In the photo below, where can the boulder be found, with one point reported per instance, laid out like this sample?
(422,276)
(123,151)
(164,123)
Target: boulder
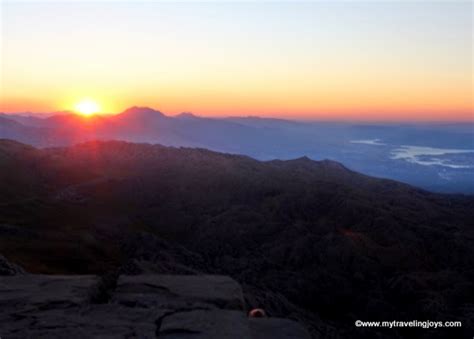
(213,290)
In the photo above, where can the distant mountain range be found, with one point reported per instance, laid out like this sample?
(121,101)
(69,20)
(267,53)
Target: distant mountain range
(309,240)
(444,159)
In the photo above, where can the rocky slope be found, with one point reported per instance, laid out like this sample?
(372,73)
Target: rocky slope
(308,240)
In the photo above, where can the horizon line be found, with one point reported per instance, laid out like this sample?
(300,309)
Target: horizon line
(43,115)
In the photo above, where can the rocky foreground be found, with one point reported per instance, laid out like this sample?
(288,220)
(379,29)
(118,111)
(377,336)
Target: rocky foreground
(139,306)
(308,240)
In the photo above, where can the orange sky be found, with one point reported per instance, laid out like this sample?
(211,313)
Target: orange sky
(319,60)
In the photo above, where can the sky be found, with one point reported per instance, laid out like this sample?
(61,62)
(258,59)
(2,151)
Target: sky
(375,60)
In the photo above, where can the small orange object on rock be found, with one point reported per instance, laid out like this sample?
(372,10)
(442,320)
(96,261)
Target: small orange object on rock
(257,313)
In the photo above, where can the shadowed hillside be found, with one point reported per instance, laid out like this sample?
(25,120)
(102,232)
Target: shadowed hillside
(437,157)
(309,240)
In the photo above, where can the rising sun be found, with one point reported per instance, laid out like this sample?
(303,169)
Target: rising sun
(87,107)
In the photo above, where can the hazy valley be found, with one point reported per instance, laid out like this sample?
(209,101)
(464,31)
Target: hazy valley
(437,157)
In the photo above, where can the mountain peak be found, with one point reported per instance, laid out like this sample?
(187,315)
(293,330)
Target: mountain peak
(141,111)
(186,115)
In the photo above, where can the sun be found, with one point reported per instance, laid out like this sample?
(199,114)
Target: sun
(87,107)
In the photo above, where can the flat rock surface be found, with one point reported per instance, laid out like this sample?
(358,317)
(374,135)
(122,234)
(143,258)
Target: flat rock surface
(200,324)
(219,291)
(45,290)
(264,328)
(96,321)
(143,306)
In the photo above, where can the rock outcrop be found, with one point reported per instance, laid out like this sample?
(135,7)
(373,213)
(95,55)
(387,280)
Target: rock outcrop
(8,268)
(139,306)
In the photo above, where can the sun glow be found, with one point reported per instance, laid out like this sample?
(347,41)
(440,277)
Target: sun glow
(87,107)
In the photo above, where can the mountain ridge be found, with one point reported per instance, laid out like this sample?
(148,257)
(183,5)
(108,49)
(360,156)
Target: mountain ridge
(302,236)
(266,139)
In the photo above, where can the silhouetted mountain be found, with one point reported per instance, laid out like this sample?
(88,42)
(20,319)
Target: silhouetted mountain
(11,129)
(309,240)
(374,149)
(38,120)
(186,115)
(139,115)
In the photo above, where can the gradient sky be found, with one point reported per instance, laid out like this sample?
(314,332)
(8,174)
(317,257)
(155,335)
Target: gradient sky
(381,60)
